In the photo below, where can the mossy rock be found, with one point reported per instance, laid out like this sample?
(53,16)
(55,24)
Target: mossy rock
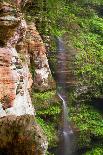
(21,135)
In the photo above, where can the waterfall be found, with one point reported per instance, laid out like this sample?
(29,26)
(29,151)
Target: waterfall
(66,133)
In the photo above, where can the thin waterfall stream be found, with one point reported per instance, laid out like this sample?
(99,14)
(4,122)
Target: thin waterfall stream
(66,132)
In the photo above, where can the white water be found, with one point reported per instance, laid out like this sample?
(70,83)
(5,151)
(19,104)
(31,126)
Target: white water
(66,132)
(66,127)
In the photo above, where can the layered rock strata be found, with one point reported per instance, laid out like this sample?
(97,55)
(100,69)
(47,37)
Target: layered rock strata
(19,132)
(42,78)
(15,78)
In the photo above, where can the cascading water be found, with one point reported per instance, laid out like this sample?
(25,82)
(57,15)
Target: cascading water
(66,133)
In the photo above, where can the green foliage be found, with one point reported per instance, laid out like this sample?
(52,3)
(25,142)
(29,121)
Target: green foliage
(44,96)
(49,131)
(43,99)
(89,60)
(52,110)
(89,65)
(96,25)
(95,151)
(88,42)
(78,21)
(87,2)
(88,119)
(89,122)
(47,114)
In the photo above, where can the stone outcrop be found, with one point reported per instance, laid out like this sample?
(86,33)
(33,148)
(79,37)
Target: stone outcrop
(9,20)
(42,78)
(21,136)
(14,73)
(19,132)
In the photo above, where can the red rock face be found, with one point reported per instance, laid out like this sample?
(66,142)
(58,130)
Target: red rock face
(18,131)
(15,81)
(42,79)
(7,79)
(9,21)
(14,74)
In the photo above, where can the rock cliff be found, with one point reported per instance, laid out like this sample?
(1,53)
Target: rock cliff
(42,79)
(21,48)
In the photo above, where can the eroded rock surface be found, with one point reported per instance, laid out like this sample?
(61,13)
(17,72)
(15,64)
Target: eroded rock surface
(42,79)
(19,132)
(15,76)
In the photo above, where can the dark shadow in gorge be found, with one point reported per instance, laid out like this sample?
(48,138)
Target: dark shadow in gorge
(98,103)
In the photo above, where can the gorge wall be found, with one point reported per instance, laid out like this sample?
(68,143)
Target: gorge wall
(21,48)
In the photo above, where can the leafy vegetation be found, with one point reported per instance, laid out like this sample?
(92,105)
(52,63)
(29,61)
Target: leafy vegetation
(80,23)
(49,130)
(89,121)
(48,109)
(89,60)
(96,151)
